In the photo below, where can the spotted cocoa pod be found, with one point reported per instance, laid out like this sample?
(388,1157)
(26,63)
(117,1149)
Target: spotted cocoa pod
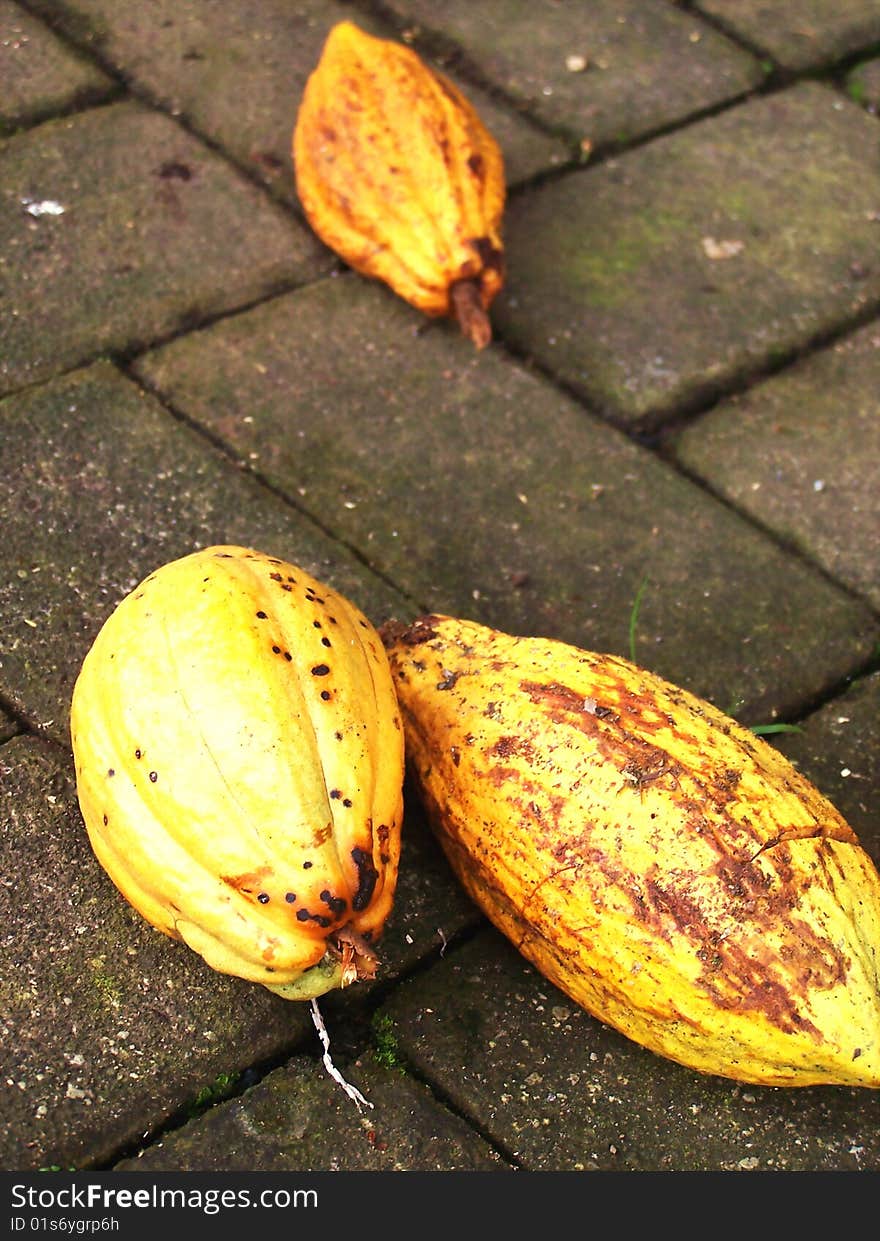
(239,765)
(661,864)
(397,174)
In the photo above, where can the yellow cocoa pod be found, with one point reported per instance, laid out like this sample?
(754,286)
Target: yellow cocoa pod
(662,865)
(239,765)
(398,175)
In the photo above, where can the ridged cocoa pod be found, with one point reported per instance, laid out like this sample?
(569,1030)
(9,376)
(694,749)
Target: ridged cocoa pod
(239,765)
(398,175)
(661,864)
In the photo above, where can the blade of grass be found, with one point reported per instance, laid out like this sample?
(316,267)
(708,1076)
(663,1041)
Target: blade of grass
(634,618)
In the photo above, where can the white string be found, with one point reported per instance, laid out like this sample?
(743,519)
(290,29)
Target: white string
(351,1091)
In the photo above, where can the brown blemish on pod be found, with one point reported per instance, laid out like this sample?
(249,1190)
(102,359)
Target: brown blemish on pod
(249,881)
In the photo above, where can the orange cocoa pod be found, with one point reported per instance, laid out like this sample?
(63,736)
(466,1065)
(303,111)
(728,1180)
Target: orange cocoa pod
(398,175)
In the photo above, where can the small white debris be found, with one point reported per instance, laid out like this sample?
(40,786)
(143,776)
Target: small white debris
(46,206)
(351,1091)
(715,249)
(819,484)
(576,63)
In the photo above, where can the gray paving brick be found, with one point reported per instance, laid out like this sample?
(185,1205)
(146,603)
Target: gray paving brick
(193,57)
(646,65)
(647,300)
(483,491)
(800,35)
(98,487)
(40,74)
(298,1119)
(558,1091)
(8,726)
(799,453)
(863,85)
(116,228)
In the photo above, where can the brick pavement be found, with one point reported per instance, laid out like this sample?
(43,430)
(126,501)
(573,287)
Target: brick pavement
(682,393)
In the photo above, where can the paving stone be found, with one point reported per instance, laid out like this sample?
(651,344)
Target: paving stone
(117,227)
(838,748)
(799,453)
(802,35)
(649,301)
(236,73)
(555,1090)
(645,66)
(99,486)
(8,726)
(483,491)
(863,85)
(298,1119)
(40,74)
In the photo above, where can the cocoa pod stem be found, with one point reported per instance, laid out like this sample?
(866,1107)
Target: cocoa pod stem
(467,307)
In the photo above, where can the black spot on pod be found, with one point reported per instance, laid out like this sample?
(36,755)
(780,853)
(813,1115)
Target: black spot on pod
(320,670)
(263,898)
(154,776)
(336,903)
(367,876)
(303,915)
